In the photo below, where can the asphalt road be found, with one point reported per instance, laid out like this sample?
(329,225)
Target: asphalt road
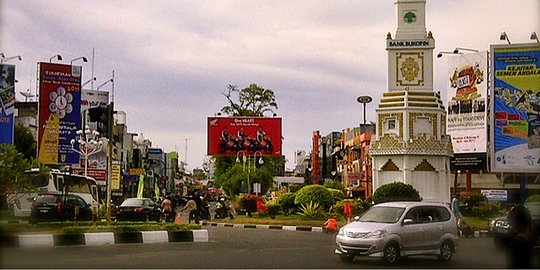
(238,248)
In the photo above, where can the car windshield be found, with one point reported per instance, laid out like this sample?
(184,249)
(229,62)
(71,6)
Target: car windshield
(382,214)
(133,202)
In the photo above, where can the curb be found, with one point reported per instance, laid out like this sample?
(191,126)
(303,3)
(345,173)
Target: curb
(260,226)
(102,238)
(476,234)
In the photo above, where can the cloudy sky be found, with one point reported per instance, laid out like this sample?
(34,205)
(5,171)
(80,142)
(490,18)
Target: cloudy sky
(173,59)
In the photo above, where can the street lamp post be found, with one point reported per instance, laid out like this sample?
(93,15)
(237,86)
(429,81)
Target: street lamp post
(3,58)
(246,157)
(89,144)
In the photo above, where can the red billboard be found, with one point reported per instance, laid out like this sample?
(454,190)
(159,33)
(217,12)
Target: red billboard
(230,135)
(59,112)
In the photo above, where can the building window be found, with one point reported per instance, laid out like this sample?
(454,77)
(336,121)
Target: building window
(390,126)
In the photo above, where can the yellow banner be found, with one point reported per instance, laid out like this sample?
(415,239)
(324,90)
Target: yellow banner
(115,177)
(136,171)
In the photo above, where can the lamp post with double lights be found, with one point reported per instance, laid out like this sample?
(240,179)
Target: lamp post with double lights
(3,58)
(247,158)
(89,142)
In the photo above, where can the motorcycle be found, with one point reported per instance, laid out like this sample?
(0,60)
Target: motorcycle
(223,209)
(203,208)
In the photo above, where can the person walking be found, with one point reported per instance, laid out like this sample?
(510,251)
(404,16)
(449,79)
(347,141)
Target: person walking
(347,211)
(455,207)
(166,208)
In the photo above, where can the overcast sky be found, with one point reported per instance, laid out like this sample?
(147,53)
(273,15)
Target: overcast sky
(173,59)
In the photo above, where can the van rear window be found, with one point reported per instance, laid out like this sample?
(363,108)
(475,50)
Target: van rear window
(46,199)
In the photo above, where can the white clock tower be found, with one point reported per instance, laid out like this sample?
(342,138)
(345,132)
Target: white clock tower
(411,144)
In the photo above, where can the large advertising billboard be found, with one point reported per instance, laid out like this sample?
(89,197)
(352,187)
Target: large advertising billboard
(7,103)
(515,132)
(97,163)
(230,135)
(467,110)
(59,112)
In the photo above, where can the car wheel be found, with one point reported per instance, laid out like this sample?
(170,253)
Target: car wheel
(391,253)
(346,257)
(447,251)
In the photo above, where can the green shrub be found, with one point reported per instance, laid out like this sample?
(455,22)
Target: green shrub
(533,198)
(486,209)
(334,184)
(273,208)
(311,211)
(295,187)
(337,194)
(396,191)
(286,201)
(314,193)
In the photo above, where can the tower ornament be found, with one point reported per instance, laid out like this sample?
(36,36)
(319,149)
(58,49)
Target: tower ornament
(409,69)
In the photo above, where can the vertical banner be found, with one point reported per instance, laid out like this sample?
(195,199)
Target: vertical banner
(115,177)
(7,103)
(516,108)
(59,112)
(140,189)
(467,110)
(97,163)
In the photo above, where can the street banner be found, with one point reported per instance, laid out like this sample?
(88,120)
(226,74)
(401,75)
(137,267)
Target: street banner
(250,135)
(467,101)
(515,132)
(7,103)
(59,112)
(156,190)
(140,190)
(115,177)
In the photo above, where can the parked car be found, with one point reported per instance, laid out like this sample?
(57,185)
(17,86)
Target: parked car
(398,229)
(502,231)
(59,207)
(138,209)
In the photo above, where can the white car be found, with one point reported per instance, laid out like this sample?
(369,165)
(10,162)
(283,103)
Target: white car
(397,229)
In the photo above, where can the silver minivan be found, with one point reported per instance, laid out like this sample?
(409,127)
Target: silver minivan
(397,229)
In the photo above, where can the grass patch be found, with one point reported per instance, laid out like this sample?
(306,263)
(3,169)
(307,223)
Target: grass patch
(477,223)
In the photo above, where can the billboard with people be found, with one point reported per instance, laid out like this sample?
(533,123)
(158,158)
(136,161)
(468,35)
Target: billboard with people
(230,135)
(515,126)
(467,110)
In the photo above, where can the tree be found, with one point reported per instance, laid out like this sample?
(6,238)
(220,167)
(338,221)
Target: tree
(12,177)
(24,142)
(252,101)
